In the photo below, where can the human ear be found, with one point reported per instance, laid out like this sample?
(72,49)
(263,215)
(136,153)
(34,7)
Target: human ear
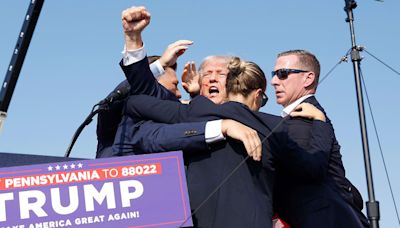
(309,79)
(258,98)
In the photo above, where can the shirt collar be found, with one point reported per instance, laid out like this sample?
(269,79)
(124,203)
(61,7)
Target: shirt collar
(286,111)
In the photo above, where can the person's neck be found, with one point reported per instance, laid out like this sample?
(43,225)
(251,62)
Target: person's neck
(239,98)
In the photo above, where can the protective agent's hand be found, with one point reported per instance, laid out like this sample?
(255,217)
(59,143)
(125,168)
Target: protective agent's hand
(190,79)
(173,51)
(309,111)
(134,20)
(248,136)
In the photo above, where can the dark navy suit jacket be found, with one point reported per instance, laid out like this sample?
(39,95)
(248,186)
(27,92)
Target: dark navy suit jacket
(331,202)
(245,200)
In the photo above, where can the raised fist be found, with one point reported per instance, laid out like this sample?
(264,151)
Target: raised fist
(135,19)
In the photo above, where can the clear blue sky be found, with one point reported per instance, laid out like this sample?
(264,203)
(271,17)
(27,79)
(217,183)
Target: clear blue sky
(72,63)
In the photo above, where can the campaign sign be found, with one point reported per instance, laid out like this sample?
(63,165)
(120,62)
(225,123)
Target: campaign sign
(132,191)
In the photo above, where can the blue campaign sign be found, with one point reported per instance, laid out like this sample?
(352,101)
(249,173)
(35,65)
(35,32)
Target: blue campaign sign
(131,191)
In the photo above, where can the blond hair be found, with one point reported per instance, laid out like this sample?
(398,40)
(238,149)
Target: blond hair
(244,77)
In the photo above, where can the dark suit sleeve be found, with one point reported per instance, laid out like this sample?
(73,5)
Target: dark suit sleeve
(151,108)
(308,161)
(151,137)
(142,81)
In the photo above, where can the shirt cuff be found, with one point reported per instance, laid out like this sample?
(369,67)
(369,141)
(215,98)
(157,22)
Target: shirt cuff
(157,69)
(133,56)
(213,132)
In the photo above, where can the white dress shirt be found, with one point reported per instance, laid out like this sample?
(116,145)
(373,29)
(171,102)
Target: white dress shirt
(286,111)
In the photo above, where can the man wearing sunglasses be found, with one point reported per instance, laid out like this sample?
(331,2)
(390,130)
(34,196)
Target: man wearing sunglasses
(332,201)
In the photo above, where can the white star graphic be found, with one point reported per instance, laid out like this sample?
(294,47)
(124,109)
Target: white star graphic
(80,165)
(50,168)
(65,166)
(72,166)
(58,167)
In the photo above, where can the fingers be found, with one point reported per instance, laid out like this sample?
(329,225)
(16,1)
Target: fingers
(258,150)
(180,52)
(193,68)
(135,19)
(301,107)
(252,143)
(299,110)
(190,79)
(179,47)
(125,25)
(298,107)
(256,146)
(135,14)
(189,71)
(185,86)
(305,106)
(185,73)
(296,113)
(173,51)
(301,113)
(181,43)
(246,135)
(307,110)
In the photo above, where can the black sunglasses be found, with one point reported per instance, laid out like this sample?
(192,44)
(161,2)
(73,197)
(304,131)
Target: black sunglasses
(284,73)
(264,100)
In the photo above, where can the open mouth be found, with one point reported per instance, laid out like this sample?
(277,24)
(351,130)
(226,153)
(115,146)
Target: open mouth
(213,90)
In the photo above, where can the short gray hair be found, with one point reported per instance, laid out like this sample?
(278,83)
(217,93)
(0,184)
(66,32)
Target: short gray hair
(225,58)
(306,59)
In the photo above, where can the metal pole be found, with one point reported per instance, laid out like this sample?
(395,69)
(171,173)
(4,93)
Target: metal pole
(17,60)
(372,205)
